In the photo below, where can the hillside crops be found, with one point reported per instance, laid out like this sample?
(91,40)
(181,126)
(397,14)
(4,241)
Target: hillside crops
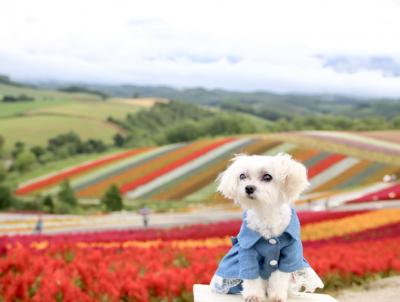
(188,170)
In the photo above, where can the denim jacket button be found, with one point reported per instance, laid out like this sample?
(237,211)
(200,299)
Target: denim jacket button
(272,241)
(273,262)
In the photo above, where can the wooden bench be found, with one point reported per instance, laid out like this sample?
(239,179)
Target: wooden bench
(203,293)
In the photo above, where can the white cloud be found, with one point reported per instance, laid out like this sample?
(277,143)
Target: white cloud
(244,45)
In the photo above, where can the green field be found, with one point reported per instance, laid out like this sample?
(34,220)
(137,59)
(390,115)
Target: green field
(43,98)
(17,109)
(44,94)
(99,110)
(54,113)
(35,130)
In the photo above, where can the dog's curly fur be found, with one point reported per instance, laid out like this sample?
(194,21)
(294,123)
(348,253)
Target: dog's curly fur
(268,207)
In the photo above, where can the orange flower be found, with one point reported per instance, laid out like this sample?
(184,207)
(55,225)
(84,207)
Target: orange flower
(351,224)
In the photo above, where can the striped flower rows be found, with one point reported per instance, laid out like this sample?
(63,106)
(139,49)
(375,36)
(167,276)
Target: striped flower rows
(389,193)
(55,178)
(202,171)
(188,171)
(356,140)
(326,172)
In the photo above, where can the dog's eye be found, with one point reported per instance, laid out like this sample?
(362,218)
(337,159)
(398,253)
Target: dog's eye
(267,177)
(242,176)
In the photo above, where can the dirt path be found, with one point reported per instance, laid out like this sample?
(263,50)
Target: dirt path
(385,290)
(11,224)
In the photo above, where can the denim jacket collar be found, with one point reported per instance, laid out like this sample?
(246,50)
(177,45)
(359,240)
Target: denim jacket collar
(248,237)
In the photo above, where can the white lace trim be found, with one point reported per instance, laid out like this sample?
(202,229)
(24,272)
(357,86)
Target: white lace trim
(221,285)
(305,280)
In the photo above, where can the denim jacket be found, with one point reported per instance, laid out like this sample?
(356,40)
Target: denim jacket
(253,256)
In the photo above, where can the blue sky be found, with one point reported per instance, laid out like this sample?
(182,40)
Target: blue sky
(310,46)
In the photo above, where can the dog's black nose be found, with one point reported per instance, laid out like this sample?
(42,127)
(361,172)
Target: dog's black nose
(250,189)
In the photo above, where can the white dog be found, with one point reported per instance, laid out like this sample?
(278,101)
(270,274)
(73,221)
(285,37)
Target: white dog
(266,256)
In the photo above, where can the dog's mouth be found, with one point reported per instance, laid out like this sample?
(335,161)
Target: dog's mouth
(252,197)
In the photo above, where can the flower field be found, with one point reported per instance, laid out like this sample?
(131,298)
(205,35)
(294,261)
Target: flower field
(383,143)
(187,171)
(75,171)
(163,264)
(388,193)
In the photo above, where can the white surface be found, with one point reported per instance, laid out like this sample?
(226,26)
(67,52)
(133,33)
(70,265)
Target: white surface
(203,293)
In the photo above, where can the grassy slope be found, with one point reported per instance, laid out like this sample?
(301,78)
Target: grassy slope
(38,129)
(261,124)
(43,94)
(55,112)
(98,111)
(18,109)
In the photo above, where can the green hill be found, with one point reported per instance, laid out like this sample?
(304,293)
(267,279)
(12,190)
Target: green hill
(261,103)
(33,114)
(54,112)
(86,112)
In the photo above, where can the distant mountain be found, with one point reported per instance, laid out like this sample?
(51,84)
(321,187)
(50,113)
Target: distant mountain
(260,103)
(6,80)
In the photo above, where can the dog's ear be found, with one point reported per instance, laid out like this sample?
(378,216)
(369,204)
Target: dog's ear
(228,180)
(292,175)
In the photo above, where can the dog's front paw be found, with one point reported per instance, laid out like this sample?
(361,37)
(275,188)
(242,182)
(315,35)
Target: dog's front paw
(253,299)
(276,298)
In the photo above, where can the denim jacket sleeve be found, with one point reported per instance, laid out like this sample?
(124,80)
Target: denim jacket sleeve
(249,267)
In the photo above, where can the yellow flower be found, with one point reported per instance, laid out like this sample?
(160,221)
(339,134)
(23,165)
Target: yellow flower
(348,225)
(40,245)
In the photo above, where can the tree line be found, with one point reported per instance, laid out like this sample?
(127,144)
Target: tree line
(16,99)
(64,202)
(57,148)
(356,116)
(174,122)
